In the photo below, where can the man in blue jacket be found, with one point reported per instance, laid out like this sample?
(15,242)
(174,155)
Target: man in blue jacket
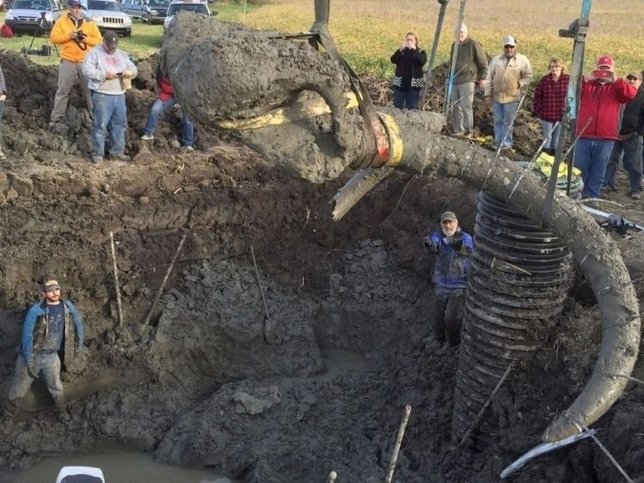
(50,327)
(453,248)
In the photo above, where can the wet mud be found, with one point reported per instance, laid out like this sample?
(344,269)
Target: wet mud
(314,380)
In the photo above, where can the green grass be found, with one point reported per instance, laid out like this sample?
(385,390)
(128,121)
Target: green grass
(368,31)
(145,39)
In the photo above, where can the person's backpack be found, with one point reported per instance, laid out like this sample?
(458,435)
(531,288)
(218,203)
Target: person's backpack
(6,32)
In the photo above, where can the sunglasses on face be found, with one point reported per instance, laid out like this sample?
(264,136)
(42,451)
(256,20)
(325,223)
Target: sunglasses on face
(508,46)
(631,78)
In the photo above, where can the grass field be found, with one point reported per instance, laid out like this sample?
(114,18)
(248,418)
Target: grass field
(145,39)
(368,31)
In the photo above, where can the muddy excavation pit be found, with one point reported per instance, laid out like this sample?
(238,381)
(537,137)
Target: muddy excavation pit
(313,380)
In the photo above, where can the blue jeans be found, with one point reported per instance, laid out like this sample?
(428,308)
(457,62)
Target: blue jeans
(109,117)
(549,134)
(591,156)
(407,99)
(46,364)
(158,108)
(632,150)
(503,117)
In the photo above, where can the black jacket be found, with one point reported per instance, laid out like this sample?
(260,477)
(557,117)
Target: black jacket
(409,68)
(633,115)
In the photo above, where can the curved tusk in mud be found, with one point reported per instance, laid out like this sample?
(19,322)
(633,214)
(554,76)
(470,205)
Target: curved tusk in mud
(230,74)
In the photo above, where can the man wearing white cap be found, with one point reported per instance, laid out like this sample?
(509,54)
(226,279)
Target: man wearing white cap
(509,75)
(453,248)
(49,328)
(600,104)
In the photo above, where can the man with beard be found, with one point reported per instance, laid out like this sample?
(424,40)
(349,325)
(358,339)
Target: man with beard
(453,248)
(600,105)
(48,328)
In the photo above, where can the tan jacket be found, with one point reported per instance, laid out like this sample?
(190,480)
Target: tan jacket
(506,78)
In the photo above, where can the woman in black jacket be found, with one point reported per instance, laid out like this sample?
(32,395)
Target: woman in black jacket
(408,80)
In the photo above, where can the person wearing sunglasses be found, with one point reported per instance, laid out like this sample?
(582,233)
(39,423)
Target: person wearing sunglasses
(629,143)
(508,77)
(453,249)
(601,98)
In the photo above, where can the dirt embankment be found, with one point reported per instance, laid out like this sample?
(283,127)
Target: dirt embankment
(313,382)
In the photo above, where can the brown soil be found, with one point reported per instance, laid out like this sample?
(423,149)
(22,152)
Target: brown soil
(314,382)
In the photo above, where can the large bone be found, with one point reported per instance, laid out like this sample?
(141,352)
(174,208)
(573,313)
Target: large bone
(229,76)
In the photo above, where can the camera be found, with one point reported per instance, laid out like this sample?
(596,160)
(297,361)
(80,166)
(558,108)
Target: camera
(81,36)
(42,21)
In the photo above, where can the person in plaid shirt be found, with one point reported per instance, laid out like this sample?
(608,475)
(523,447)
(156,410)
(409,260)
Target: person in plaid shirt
(549,102)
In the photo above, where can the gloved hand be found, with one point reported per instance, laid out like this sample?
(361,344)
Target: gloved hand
(429,245)
(31,369)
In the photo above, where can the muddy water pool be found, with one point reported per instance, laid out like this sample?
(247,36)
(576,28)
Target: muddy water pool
(117,467)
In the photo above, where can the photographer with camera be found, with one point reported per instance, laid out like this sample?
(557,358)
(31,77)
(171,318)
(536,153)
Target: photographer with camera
(76,35)
(453,249)
(109,71)
(409,77)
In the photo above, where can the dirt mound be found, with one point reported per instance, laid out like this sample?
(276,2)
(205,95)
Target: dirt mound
(312,381)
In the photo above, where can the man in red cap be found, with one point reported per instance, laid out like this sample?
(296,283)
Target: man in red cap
(602,95)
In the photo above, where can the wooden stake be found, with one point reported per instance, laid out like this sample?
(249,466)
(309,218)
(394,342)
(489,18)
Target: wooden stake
(487,403)
(116,281)
(401,433)
(261,292)
(165,279)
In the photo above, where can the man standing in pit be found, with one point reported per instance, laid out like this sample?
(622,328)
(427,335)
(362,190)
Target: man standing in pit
(470,72)
(453,248)
(77,36)
(49,328)
(508,77)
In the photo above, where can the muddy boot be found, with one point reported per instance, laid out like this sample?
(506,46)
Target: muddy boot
(61,411)
(8,412)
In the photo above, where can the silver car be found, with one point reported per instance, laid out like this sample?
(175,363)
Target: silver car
(33,16)
(108,15)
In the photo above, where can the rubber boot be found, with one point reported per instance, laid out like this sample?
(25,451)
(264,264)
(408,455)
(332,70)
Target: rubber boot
(8,414)
(61,411)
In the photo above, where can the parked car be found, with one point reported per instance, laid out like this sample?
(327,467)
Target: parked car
(134,8)
(150,11)
(32,16)
(195,6)
(109,15)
